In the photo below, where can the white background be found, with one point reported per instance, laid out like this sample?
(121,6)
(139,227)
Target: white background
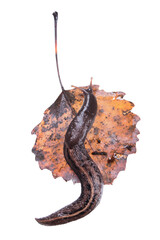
(118,44)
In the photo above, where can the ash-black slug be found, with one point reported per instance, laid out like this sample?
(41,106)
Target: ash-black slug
(82,164)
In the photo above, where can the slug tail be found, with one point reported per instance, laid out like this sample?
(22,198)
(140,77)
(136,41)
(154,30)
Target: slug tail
(91,190)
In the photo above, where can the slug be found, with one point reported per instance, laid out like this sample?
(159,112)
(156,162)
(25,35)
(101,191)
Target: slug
(79,160)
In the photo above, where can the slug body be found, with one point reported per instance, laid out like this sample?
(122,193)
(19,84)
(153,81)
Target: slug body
(81,163)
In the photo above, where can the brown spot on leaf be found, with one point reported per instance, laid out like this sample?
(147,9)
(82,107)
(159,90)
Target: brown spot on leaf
(96,131)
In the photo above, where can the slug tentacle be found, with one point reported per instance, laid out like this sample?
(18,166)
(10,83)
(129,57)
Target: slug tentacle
(85,168)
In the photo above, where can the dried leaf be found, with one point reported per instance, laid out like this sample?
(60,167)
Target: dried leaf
(111,139)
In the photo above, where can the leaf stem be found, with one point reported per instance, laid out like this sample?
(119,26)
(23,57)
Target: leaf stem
(55,15)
